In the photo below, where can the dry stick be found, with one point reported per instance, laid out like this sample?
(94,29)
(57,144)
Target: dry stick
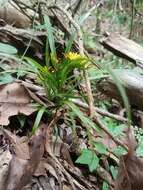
(21,9)
(100,111)
(81,49)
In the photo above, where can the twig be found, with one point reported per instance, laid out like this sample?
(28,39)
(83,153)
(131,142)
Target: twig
(48,149)
(76,7)
(132,18)
(100,111)
(81,50)
(20,8)
(30,41)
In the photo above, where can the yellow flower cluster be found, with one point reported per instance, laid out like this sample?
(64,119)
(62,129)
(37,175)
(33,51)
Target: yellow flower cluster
(72,56)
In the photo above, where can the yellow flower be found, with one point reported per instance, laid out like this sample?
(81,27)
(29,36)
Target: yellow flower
(72,55)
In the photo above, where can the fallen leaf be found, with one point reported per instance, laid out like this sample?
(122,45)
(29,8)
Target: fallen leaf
(17,146)
(130,176)
(43,168)
(21,170)
(14,99)
(5,158)
(65,187)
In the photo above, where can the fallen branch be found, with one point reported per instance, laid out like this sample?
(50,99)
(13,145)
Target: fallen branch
(100,111)
(124,48)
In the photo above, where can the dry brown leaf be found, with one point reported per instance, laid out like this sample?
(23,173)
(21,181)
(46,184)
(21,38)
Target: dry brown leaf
(43,168)
(18,147)
(5,158)
(13,16)
(130,175)
(65,187)
(14,99)
(21,170)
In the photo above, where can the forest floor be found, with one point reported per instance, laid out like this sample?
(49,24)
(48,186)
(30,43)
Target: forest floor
(71,90)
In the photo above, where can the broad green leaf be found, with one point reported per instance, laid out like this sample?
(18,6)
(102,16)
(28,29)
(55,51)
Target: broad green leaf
(85,157)
(119,151)
(115,129)
(99,147)
(114,171)
(89,158)
(105,186)
(94,163)
(8,49)
(139,150)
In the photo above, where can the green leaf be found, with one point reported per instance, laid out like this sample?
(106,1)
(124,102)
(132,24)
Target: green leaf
(114,171)
(89,158)
(139,150)
(119,151)
(85,120)
(8,49)
(38,119)
(115,129)
(70,42)
(22,120)
(50,35)
(99,147)
(5,78)
(105,186)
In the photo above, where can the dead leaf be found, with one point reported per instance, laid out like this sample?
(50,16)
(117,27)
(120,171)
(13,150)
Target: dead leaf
(130,176)
(5,158)
(43,168)
(65,187)
(17,146)
(21,170)
(13,16)
(14,99)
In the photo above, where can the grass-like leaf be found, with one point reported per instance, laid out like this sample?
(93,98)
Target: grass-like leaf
(38,119)
(50,35)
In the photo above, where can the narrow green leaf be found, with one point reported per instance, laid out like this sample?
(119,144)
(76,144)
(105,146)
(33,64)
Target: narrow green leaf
(8,49)
(50,35)
(38,119)
(70,42)
(47,53)
(86,121)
